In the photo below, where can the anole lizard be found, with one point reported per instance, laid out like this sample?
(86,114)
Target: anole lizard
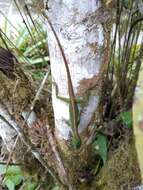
(76,138)
(73,107)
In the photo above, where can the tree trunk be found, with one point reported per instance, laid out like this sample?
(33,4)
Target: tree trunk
(82,30)
(81,27)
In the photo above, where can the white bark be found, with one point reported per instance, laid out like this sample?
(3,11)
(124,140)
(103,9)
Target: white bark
(7,133)
(80,32)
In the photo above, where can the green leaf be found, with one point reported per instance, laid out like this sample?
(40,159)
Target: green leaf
(33,47)
(126,117)
(13,176)
(9,184)
(16,179)
(2,169)
(100,146)
(38,75)
(56,188)
(29,185)
(13,170)
(38,60)
(22,38)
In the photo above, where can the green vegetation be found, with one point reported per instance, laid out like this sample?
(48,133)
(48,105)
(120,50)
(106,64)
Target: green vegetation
(13,177)
(28,43)
(113,160)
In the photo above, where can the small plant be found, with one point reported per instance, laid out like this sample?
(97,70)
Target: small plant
(126,118)
(100,147)
(29,44)
(13,177)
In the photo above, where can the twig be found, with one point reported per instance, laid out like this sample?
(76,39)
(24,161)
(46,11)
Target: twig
(34,151)
(11,164)
(11,43)
(9,158)
(27,27)
(31,109)
(36,97)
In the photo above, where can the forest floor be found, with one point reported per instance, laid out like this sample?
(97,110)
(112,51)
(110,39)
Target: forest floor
(120,172)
